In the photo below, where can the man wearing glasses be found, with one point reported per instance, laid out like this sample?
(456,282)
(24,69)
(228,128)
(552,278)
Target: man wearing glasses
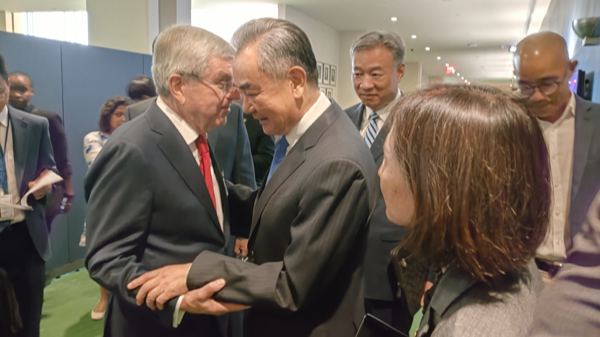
(156,194)
(571,128)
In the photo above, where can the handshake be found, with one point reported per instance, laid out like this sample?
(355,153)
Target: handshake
(158,286)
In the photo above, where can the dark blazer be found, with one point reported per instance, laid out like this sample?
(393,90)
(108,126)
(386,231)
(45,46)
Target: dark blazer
(33,154)
(236,165)
(379,282)
(262,147)
(307,236)
(148,207)
(570,306)
(586,161)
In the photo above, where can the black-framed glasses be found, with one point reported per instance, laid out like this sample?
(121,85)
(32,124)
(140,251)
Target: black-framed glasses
(547,88)
(226,87)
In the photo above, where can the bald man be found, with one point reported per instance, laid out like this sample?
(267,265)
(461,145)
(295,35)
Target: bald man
(571,127)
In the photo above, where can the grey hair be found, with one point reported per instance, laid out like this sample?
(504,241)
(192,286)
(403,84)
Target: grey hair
(187,51)
(280,46)
(392,41)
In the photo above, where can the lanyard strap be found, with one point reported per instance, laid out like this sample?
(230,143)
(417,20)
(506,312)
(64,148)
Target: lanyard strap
(4,174)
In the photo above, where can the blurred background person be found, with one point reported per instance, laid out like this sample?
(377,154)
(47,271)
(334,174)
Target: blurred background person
(570,124)
(466,168)
(141,88)
(112,115)
(21,92)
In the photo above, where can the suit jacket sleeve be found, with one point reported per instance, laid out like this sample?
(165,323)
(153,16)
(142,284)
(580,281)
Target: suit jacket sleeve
(331,216)
(46,155)
(243,167)
(59,144)
(118,221)
(570,307)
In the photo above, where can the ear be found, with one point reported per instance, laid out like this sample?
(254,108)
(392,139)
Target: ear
(176,83)
(573,65)
(400,71)
(297,77)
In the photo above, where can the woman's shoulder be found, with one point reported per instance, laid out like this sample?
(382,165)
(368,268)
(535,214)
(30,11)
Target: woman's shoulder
(95,136)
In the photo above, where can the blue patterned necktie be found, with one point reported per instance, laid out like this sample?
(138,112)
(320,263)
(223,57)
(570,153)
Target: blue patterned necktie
(280,150)
(372,130)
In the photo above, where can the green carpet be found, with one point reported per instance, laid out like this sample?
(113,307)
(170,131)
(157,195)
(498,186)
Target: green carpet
(69,300)
(68,303)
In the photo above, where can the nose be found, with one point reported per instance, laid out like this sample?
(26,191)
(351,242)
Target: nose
(538,96)
(247,107)
(233,94)
(366,83)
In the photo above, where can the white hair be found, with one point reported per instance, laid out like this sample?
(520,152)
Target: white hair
(187,51)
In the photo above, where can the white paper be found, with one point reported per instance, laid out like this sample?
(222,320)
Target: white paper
(48,178)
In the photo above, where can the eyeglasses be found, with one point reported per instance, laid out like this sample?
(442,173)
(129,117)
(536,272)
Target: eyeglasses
(547,88)
(226,87)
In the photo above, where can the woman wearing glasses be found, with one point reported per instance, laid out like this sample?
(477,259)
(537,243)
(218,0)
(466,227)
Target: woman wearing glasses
(466,168)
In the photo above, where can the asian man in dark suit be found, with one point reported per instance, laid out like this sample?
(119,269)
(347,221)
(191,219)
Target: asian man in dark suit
(309,220)
(174,204)
(378,68)
(24,239)
(571,128)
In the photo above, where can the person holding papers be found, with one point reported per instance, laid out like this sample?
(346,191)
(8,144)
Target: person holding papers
(24,242)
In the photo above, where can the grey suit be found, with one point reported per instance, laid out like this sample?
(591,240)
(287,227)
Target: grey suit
(229,142)
(25,246)
(148,208)
(463,307)
(308,237)
(571,307)
(380,284)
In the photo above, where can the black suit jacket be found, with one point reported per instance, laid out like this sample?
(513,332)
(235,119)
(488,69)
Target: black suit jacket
(148,207)
(379,279)
(586,161)
(262,147)
(229,142)
(307,236)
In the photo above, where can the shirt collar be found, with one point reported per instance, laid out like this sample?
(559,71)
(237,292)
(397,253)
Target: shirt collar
(4,116)
(307,120)
(385,112)
(185,129)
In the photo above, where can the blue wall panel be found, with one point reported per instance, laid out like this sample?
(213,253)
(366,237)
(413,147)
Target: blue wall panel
(148,65)
(91,75)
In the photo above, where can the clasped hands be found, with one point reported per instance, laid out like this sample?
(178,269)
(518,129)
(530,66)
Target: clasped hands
(160,285)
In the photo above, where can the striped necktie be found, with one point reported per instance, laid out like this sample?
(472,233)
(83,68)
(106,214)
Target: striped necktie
(372,130)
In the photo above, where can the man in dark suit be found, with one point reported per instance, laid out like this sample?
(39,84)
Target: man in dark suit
(174,203)
(571,128)
(21,92)
(309,220)
(24,241)
(262,147)
(378,66)
(141,88)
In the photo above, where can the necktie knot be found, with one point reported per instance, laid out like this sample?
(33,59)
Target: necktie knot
(374,116)
(202,145)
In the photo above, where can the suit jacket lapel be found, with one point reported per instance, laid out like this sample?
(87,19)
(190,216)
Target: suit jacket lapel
(179,155)
(20,139)
(223,191)
(583,139)
(357,115)
(293,160)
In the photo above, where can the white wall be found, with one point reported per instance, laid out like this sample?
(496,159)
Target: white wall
(346,94)
(412,77)
(325,40)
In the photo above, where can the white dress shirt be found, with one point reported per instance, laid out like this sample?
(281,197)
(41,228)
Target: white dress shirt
(9,162)
(307,120)
(560,137)
(383,116)
(189,136)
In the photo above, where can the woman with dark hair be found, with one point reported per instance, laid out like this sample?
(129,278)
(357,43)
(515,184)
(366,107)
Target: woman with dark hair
(466,168)
(112,115)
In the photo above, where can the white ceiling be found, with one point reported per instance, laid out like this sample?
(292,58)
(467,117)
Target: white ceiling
(446,26)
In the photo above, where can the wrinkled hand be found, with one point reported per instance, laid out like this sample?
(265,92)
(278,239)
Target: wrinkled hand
(199,301)
(42,191)
(160,285)
(241,247)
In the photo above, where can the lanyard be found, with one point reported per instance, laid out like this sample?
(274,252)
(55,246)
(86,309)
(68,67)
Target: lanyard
(4,175)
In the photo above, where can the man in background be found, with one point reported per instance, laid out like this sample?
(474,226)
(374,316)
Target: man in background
(21,92)
(378,68)
(571,128)
(141,88)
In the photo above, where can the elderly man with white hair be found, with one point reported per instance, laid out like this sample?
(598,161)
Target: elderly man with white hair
(156,197)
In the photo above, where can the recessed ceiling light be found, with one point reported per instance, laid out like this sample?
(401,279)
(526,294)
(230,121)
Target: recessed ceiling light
(427,48)
(466,81)
(512,49)
(413,37)
(439,57)
(394,19)
(447,64)
(457,74)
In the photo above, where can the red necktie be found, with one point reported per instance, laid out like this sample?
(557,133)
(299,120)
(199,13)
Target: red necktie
(204,153)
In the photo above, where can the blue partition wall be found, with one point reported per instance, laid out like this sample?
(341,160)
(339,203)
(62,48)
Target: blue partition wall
(73,81)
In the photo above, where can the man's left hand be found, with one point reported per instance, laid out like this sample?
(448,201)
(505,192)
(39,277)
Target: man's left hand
(160,285)
(42,191)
